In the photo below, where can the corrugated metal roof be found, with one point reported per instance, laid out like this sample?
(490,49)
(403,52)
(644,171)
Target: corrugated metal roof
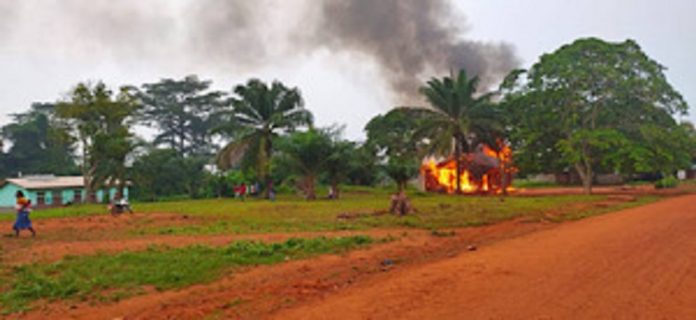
(48,182)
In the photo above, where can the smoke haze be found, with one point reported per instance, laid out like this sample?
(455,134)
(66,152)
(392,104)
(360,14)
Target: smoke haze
(409,40)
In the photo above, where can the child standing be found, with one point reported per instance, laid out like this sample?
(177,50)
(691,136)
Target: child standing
(23,208)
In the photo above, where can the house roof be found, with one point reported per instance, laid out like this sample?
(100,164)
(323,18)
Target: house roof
(48,182)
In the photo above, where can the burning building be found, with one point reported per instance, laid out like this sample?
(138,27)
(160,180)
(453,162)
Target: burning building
(484,171)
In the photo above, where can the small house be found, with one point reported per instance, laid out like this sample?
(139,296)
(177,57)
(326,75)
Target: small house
(51,191)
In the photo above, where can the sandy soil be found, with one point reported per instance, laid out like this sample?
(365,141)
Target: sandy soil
(257,292)
(636,264)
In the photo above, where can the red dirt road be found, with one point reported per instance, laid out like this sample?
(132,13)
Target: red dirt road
(636,264)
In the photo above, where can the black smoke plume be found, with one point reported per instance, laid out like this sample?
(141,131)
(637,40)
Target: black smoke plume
(410,40)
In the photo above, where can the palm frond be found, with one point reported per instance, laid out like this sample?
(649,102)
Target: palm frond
(233,153)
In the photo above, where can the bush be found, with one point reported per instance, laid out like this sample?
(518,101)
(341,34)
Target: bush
(667,183)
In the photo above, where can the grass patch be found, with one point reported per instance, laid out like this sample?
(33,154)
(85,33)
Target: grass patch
(62,212)
(586,213)
(113,277)
(292,214)
(532,184)
(434,212)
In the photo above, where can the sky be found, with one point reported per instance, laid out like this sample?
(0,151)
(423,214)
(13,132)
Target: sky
(48,46)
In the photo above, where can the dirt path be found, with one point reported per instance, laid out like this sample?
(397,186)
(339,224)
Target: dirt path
(256,292)
(636,264)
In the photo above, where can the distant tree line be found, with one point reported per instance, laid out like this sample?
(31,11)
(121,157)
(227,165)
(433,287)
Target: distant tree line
(205,141)
(590,107)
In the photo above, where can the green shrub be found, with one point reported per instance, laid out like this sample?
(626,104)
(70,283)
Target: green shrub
(667,183)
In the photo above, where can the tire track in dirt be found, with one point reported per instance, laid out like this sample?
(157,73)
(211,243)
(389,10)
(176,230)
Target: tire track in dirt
(639,263)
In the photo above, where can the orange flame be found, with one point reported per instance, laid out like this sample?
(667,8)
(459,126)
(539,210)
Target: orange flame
(442,176)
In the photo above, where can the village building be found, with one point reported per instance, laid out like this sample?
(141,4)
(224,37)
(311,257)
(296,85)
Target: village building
(52,191)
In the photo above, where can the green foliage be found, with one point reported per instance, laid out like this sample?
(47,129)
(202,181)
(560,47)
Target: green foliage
(401,170)
(596,104)
(459,115)
(528,184)
(667,183)
(393,137)
(457,122)
(258,115)
(290,213)
(185,112)
(222,184)
(40,144)
(582,145)
(101,122)
(107,276)
(393,134)
(662,149)
(163,173)
(339,161)
(307,155)
(363,166)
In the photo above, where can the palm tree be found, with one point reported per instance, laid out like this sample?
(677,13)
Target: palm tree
(307,155)
(259,114)
(455,117)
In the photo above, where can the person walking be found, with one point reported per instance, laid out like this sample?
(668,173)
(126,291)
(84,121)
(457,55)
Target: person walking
(23,209)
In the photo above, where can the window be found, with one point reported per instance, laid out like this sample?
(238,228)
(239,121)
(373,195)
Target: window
(78,196)
(57,198)
(40,198)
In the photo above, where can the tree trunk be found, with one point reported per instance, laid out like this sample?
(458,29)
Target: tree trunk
(334,186)
(400,205)
(585,173)
(90,187)
(87,187)
(310,193)
(265,171)
(401,186)
(458,162)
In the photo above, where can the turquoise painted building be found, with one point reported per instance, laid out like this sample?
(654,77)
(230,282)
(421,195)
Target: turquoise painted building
(51,191)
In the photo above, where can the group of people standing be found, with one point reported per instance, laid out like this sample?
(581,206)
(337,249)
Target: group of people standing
(243,190)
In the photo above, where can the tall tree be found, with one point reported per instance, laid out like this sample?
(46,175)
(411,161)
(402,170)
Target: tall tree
(393,138)
(185,112)
(101,122)
(259,114)
(588,102)
(39,143)
(457,113)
